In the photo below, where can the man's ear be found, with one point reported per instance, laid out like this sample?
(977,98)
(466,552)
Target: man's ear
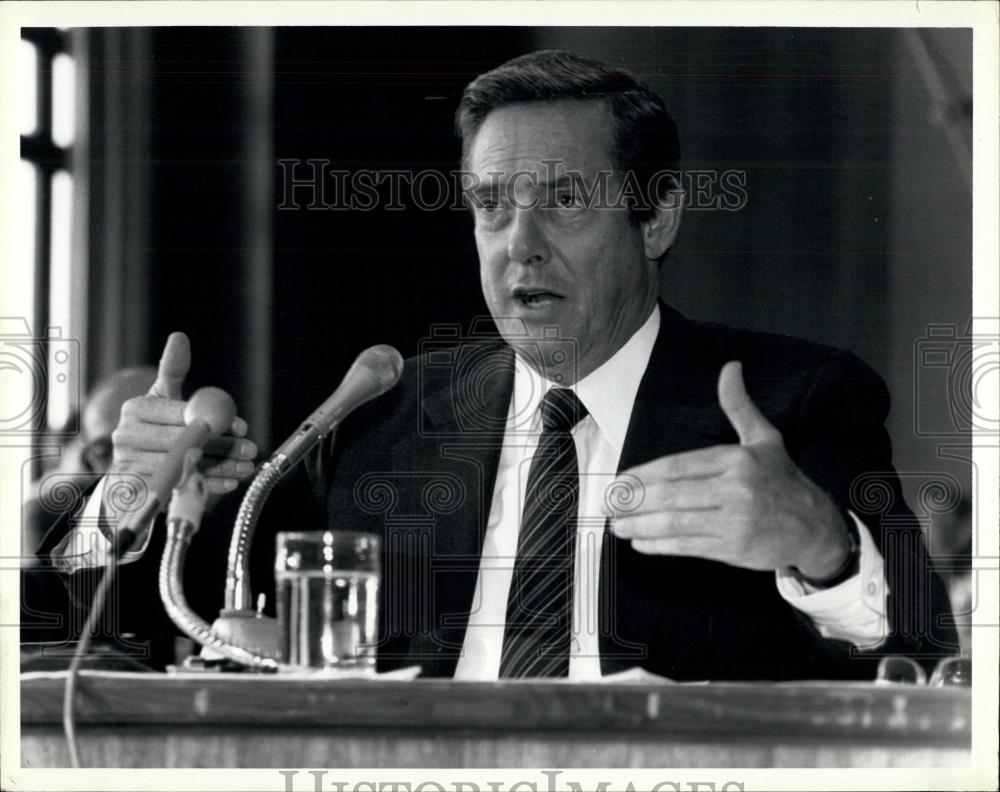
(660,230)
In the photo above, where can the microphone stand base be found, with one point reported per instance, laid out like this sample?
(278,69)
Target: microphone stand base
(248,629)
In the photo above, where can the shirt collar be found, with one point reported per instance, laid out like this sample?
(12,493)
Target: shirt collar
(608,392)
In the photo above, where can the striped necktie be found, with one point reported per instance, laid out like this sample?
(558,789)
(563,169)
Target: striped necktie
(536,638)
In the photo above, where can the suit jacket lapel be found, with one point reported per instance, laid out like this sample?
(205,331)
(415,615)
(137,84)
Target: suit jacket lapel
(467,416)
(675,410)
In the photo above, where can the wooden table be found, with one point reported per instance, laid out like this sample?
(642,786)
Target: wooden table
(152,720)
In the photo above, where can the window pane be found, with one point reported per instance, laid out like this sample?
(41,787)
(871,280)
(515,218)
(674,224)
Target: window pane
(27,87)
(62,372)
(63,96)
(19,390)
(17,294)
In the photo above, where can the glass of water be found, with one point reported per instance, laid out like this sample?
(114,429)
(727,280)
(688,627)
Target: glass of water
(900,670)
(328,599)
(952,671)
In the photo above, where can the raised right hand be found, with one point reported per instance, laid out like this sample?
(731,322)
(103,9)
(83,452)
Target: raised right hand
(150,426)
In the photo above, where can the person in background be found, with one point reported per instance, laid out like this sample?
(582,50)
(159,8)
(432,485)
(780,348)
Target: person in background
(45,609)
(85,457)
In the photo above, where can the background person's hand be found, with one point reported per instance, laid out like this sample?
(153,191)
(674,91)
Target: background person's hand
(747,505)
(150,426)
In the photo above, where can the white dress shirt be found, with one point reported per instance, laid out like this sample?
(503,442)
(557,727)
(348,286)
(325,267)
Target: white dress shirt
(852,611)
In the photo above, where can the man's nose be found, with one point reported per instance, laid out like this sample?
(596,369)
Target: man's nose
(526,243)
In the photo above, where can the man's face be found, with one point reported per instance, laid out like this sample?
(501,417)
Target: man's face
(547,257)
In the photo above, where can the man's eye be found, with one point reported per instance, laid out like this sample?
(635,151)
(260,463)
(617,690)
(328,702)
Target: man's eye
(490,210)
(569,200)
(490,202)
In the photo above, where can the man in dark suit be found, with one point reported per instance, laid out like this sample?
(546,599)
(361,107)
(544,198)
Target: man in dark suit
(609,485)
(419,467)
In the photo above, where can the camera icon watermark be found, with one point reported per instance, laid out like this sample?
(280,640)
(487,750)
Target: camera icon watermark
(34,369)
(473,373)
(959,369)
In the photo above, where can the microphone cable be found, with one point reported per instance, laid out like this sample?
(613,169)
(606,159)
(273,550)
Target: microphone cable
(73,672)
(209,412)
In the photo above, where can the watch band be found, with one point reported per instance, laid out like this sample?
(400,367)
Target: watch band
(851,565)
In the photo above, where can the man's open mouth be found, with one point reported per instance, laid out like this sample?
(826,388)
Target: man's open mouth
(536,296)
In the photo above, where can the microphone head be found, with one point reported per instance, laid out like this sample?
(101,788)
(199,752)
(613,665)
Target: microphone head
(384,362)
(374,371)
(212,406)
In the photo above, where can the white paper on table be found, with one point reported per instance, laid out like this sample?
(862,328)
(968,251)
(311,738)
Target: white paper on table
(641,675)
(400,674)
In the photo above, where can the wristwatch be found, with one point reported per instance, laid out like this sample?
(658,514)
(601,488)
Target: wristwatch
(851,565)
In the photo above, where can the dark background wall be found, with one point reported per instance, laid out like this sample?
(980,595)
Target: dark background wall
(856,231)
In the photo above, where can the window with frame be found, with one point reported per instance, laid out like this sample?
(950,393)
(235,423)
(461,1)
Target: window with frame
(49,290)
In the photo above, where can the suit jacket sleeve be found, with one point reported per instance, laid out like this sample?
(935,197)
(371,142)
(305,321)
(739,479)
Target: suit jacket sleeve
(842,445)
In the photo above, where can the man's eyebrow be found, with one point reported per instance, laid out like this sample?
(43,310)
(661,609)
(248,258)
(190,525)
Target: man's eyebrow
(486,188)
(568,180)
(495,186)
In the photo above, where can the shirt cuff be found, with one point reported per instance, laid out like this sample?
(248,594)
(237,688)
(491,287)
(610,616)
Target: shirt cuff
(85,546)
(854,610)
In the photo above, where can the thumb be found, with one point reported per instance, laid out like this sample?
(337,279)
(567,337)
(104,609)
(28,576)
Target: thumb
(174,365)
(752,427)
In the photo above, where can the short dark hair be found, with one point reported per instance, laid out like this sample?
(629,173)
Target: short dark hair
(645,140)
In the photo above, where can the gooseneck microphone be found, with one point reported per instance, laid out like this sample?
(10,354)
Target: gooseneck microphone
(375,371)
(208,413)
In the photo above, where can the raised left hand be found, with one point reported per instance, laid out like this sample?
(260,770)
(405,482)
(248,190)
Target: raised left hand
(747,505)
